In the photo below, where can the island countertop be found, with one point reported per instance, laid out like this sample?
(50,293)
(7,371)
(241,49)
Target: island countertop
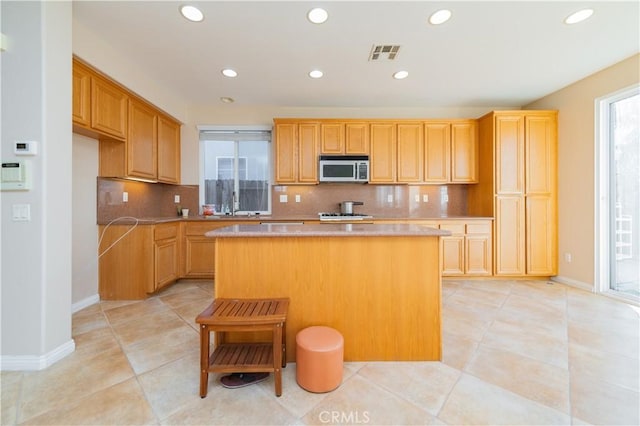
(326,230)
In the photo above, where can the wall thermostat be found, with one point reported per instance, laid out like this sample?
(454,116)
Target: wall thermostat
(16,176)
(25,147)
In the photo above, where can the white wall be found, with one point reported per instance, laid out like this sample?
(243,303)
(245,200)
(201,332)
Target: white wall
(576,164)
(85,237)
(36,255)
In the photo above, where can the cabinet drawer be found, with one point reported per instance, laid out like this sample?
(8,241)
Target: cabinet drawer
(455,228)
(479,228)
(162,232)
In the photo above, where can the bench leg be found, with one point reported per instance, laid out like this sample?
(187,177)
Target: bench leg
(277,358)
(204,360)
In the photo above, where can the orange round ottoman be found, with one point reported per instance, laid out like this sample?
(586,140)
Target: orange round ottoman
(319,356)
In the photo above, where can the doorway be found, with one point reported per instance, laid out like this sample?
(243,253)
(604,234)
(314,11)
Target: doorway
(619,198)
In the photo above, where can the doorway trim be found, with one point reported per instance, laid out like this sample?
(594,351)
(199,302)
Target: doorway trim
(602,256)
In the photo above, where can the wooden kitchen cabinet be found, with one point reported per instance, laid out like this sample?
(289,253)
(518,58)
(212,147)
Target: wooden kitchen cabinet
(524,191)
(437,141)
(332,138)
(199,251)
(136,139)
(410,157)
(453,249)
(168,150)
(464,152)
(296,152)
(348,138)
(383,159)
(109,105)
(166,255)
(468,250)
(81,111)
(142,141)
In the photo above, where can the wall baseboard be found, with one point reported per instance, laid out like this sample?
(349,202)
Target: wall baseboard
(91,300)
(35,363)
(573,283)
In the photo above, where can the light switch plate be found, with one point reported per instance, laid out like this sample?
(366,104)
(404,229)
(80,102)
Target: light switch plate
(21,212)
(283,198)
(176,199)
(390,198)
(297,198)
(425,198)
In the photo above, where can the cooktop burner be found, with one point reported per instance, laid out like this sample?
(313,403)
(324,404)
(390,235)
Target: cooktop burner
(343,216)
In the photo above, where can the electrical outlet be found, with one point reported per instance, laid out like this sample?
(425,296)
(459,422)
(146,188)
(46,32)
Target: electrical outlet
(417,198)
(567,257)
(125,197)
(390,198)
(283,198)
(445,198)
(176,199)
(297,198)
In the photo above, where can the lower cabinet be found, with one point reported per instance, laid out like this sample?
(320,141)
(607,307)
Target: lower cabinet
(166,255)
(467,251)
(137,260)
(199,251)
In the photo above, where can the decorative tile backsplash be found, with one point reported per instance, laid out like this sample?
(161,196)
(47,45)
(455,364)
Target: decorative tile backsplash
(146,200)
(402,201)
(152,200)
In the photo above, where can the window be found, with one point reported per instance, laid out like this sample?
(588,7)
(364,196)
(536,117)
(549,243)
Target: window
(235,170)
(619,194)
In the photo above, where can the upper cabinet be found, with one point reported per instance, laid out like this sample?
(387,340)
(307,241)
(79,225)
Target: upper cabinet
(344,138)
(450,151)
(137,140)
(400,151)
(296,152)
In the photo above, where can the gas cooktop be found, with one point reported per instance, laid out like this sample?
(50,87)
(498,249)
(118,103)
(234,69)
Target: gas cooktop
(342,217)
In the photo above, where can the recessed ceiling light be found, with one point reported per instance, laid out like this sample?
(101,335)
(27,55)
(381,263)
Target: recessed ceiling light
(317,15)
(440,17)
(316,74)
(228,72)
(192,13)
(399,75)
(578,16)
(227,100)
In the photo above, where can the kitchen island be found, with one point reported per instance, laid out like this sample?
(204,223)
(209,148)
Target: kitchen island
(379,285)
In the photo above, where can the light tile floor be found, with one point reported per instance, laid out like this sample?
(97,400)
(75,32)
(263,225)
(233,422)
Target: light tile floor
(514,352)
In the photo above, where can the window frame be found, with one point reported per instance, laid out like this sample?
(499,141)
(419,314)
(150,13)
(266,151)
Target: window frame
(201,168)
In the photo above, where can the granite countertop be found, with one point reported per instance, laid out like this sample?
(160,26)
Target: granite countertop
(128,220)
(325,230)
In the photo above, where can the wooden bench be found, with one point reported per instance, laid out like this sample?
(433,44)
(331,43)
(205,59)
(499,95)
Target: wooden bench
(243,315)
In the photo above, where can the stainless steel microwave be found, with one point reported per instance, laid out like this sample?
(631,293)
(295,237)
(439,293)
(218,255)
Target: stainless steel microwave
(344,168)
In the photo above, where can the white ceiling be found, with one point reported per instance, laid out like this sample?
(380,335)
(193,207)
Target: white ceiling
(489,53)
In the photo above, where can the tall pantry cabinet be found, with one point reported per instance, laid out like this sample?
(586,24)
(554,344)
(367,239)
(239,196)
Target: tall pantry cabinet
(522,148)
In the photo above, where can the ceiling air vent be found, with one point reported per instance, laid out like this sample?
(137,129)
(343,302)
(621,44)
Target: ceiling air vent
(384,51)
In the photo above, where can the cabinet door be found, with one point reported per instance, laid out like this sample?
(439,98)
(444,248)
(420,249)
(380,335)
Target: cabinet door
(108,108)
(541,235)
(168,150)
(166,262)
(464,152)
(509,154)
(382,160)
(332,138)
(509,235)
(142,143)
(286,152)
(453,255)
(410,145)
(478,254)
(540,154)
(356,138)
(81,95)
(437,141)
(199,257)
(308,153)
